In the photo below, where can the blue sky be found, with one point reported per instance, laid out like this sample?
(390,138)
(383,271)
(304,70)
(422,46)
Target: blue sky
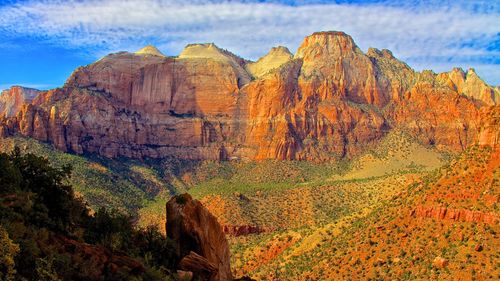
(42,42)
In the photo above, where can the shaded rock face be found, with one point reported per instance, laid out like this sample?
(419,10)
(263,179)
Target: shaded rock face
(12,100)
(200,240)
(100,260)
(329,100)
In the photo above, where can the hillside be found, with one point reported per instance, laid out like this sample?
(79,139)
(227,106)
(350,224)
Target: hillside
(409,236)
(439,224)
(122,185)
(320,211)
(47,233)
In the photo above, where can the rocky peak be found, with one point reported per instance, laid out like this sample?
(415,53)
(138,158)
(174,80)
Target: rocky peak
(150,50)
(335,58)
(276,57)
(282,50)
(213,52)
(11,100)
(384,53)
(329,43)
(459,71)
(207,51)
(469,84)
(471,71)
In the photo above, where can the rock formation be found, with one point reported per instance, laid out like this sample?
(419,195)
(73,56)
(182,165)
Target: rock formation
(469,84)
(200,240)
(490,127)
(443,213)
(12,100)
(329,100)
(99,259)
(274,59)
(150,50)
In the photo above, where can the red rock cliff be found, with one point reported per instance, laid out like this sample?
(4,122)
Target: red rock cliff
(329,100)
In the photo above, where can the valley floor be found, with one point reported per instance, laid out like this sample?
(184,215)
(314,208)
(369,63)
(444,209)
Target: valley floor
(399,211)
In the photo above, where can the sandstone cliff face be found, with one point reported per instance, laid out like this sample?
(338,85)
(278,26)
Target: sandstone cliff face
(328,100)
(200,240)
(11,100)
(470,85)
(490,127)
(437,116)
(443,213)
(274,59)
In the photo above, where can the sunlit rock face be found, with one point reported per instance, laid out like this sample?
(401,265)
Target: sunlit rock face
(328,100)
(469,84)
(11,100)
(490,127)
(276,57)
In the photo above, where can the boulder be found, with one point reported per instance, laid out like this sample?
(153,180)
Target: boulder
(200,241)
(440,262)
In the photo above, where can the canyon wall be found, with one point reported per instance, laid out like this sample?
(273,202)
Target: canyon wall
(328,100)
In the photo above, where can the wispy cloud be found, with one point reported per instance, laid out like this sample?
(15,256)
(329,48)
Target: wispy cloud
(430,35)
(27,85)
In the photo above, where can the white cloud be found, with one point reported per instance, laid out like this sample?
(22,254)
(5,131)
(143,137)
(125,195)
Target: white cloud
(428,35)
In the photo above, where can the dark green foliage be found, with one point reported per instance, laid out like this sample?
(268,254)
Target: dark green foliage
(37,191)
(113,230)
(39,211)
(159,252)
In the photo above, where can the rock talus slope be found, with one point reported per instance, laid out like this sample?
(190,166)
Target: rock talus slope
(328,100)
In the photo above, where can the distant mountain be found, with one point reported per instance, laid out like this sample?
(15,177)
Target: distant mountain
(12,100)
(329,100)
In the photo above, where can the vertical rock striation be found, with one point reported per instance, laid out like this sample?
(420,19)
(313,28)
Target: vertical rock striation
(328,100)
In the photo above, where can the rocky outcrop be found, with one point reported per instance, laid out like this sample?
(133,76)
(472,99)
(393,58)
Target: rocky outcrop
(329,100)
(242,230)
(200,240)
(150,51)
(490,127)
(210,52)
(274,59)
(334,59)
(99,261)
(469,84)
(13,99)
(437,116)
(443,213)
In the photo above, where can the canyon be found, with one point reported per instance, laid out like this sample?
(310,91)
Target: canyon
(324,164)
